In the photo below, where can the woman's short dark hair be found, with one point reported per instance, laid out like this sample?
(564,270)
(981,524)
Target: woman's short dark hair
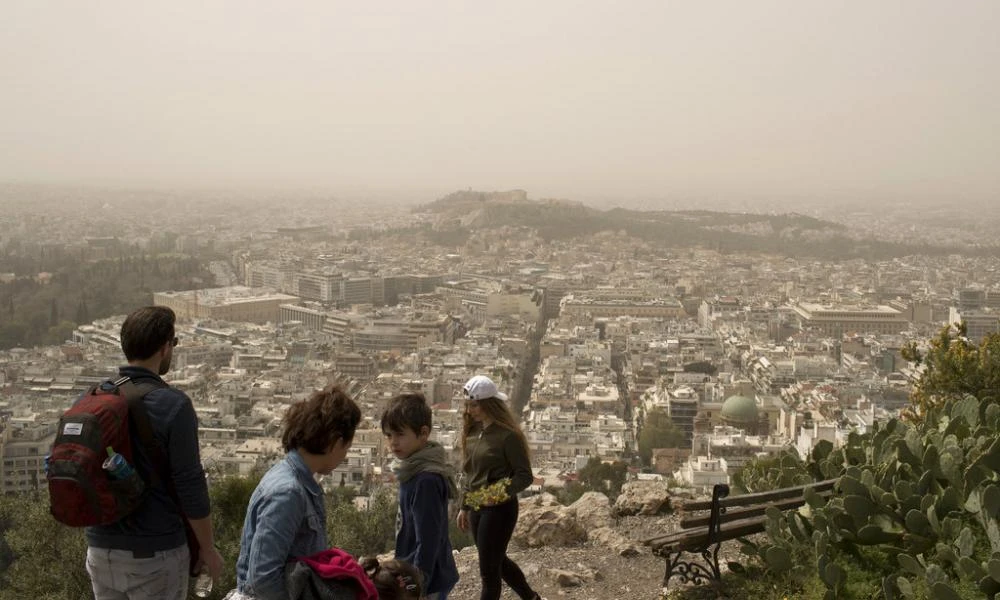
(317,423)
(146,330)
(408,410)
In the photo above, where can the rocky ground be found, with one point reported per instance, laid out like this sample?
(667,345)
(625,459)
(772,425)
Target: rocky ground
(604,574)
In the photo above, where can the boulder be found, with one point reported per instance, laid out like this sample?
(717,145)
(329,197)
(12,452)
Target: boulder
(466,560)
(542,523)
(588,573)
(593,511)
(607,537)
(566,578)
(543,499)
(581,576)
(643,498)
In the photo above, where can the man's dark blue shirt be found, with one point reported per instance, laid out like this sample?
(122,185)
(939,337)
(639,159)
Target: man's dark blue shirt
(158,523)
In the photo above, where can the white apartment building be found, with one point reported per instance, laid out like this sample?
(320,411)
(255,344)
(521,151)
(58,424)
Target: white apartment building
(703,472)
(736,447)
(357,468)
(22,455)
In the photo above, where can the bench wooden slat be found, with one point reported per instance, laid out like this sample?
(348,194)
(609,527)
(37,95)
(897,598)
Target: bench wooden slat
(736,514)
(757,497)
(696,538)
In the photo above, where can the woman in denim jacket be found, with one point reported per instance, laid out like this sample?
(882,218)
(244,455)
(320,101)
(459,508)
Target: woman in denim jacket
(286,517)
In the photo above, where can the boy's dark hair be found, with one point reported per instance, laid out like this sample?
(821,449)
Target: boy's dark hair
(394,579)
(146,330)
(407,410)
(317,423)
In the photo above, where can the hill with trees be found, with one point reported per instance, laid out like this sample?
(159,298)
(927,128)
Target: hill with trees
(788,234)
(51,296)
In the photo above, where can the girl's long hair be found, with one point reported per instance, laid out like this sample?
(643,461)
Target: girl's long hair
(497,410)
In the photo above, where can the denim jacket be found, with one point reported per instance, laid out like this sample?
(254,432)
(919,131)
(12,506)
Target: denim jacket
(286,519)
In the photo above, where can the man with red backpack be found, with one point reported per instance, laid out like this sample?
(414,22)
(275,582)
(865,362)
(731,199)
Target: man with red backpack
(145,555)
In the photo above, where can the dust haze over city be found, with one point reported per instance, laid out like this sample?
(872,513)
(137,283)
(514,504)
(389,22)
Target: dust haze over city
(678,234)
(664,103)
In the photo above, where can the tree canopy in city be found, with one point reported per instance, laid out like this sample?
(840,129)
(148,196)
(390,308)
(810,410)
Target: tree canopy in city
(658,431)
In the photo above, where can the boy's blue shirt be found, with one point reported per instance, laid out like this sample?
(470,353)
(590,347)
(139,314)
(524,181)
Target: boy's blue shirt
(422,535)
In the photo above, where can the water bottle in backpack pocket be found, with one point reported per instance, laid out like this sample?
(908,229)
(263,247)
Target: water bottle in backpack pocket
(117,466)
(125,482)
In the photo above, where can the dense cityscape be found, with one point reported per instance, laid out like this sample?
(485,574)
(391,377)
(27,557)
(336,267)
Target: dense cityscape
(674,359)
(747,354)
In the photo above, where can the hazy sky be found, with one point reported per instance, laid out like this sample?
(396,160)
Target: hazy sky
(747,98)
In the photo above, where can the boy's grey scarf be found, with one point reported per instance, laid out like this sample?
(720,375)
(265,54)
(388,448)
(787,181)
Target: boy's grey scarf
(429,459)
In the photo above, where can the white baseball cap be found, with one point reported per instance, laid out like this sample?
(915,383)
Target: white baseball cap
(482,387)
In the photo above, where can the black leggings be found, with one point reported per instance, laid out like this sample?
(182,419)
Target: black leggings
(492,527)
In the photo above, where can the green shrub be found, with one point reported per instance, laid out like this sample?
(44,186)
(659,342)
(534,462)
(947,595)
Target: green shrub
(48,558)
(230,499)
(364,532)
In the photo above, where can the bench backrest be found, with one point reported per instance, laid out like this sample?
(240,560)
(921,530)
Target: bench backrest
(757,497)
(735,508)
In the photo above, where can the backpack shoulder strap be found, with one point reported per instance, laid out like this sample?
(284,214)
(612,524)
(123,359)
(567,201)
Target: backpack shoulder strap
(134,393)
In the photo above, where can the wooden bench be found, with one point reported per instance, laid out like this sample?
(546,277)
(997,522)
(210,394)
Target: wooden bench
(705,524)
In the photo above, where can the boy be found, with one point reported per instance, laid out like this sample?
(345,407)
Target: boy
(426,482)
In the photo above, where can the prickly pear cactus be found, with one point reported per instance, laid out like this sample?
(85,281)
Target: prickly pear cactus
(927,493)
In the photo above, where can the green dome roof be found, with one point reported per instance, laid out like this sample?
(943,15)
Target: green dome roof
(739,409)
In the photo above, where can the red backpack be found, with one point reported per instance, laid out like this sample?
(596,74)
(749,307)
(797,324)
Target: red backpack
(81,492)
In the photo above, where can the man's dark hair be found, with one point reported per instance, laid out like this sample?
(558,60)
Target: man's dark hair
(406,411)
(146,330)
(317,423)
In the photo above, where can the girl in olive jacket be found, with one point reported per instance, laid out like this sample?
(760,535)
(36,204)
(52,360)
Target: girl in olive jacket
(493,449)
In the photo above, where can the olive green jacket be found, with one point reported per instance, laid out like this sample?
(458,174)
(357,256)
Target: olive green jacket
(495,453)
